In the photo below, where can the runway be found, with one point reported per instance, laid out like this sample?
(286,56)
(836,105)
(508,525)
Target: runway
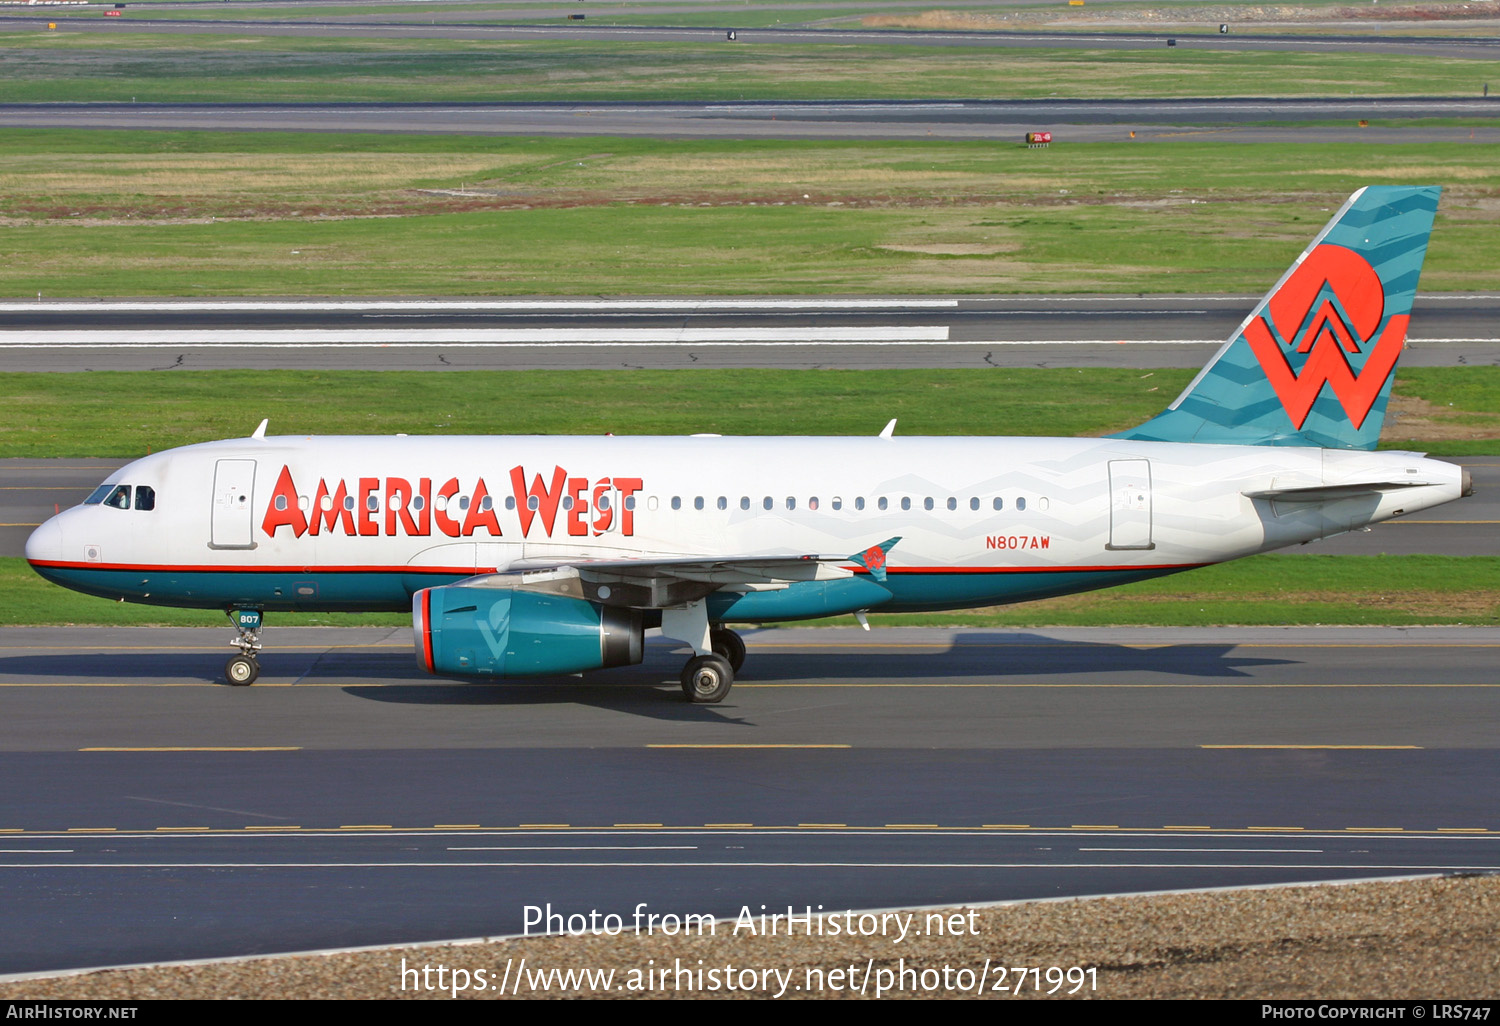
(876,332)
(346,799)
(1259,119)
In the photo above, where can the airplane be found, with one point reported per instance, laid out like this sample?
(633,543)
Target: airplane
(550,555)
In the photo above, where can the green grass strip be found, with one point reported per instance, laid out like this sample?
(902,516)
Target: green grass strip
(128,414)
(1276,589)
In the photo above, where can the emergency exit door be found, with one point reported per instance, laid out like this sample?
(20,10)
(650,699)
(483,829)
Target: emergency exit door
(234,490)
(1130,504)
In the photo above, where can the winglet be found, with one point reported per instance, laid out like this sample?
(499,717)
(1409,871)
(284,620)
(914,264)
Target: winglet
(260,432)
(873,558)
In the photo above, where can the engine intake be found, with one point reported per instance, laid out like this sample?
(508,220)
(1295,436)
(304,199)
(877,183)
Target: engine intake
(504,632)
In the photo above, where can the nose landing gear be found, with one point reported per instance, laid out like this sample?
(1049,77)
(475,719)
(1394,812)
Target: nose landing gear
(241,670)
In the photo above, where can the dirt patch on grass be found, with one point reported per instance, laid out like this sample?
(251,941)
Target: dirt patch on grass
(1410,418)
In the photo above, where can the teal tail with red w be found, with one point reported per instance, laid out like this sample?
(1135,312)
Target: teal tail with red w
(1313,364)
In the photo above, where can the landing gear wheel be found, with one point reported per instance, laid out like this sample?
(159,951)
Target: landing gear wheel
(727,644)
(707,679)
(241,670)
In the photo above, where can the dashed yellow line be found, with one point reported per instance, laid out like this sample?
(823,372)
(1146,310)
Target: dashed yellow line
(205,748)
(1352,748)
(747,746)
(258,828)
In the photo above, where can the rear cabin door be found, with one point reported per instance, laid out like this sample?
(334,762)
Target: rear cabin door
(1130,504)
(234,492)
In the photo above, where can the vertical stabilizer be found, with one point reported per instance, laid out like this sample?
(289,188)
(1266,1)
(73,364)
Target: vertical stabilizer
(1313,364)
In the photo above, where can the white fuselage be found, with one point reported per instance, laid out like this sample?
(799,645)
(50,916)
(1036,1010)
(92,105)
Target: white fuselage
(363,522)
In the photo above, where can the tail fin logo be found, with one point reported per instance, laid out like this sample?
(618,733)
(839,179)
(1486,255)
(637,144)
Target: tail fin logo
(1331,307)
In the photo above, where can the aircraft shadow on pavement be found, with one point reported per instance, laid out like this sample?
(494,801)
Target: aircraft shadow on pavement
(975,656)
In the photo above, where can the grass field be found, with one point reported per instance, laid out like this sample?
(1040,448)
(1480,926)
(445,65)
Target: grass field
(242,67)
(1261,590)
(184,213)
(1445,411)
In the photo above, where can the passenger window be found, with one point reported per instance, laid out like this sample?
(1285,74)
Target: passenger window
(744,502)
(838,503)
(417,503)
(791,503)
(567,502)
(280,501)
(812,503)
(97,495)
(723,502)
(881,502)
(510,502)
(145,497)
(974,502)
(698,502)
(859,502)
(372,503)
(349,503)
(119,498)
(769,503)
(999,502)
(952,503)
(603,503)
(906,502)
(676,502)
(1020,504)
(927,502)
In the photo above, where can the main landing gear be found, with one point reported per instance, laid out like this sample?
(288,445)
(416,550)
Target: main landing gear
(718,653)
(241,670)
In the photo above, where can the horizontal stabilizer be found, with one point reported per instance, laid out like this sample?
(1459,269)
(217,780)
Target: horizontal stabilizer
(1333,493)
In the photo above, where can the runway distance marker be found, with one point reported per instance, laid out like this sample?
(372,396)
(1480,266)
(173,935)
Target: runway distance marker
(183,830)
(1376,830)
(1187,828)
(1277,829)
(272,828)
(637,826)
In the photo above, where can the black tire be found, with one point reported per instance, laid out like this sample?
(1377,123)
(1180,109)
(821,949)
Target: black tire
(729,645)
(706,679)
(241,671)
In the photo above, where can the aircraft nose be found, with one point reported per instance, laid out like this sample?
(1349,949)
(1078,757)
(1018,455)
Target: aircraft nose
(45,543)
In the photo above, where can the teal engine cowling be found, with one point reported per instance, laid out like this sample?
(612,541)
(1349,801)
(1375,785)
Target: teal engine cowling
(503,632)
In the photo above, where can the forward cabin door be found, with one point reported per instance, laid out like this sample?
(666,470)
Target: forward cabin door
(1130,504)
(234,494)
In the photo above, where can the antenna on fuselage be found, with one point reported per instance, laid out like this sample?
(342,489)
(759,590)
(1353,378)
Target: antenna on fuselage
(260,432)
(889,430)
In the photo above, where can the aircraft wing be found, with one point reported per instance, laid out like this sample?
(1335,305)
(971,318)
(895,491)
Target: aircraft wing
(660,582)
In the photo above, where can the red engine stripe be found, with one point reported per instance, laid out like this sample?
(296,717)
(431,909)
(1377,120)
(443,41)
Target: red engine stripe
(427,628)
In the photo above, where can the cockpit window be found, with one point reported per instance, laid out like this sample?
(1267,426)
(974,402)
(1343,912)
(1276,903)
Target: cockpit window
(145,497)
(119,498)
(97,495)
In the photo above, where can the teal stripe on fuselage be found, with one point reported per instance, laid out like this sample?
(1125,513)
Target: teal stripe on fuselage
(371,591)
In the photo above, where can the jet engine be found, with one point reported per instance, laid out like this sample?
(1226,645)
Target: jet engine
(475,631)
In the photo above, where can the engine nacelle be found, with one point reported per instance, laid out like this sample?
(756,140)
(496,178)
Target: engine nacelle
(501,632)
